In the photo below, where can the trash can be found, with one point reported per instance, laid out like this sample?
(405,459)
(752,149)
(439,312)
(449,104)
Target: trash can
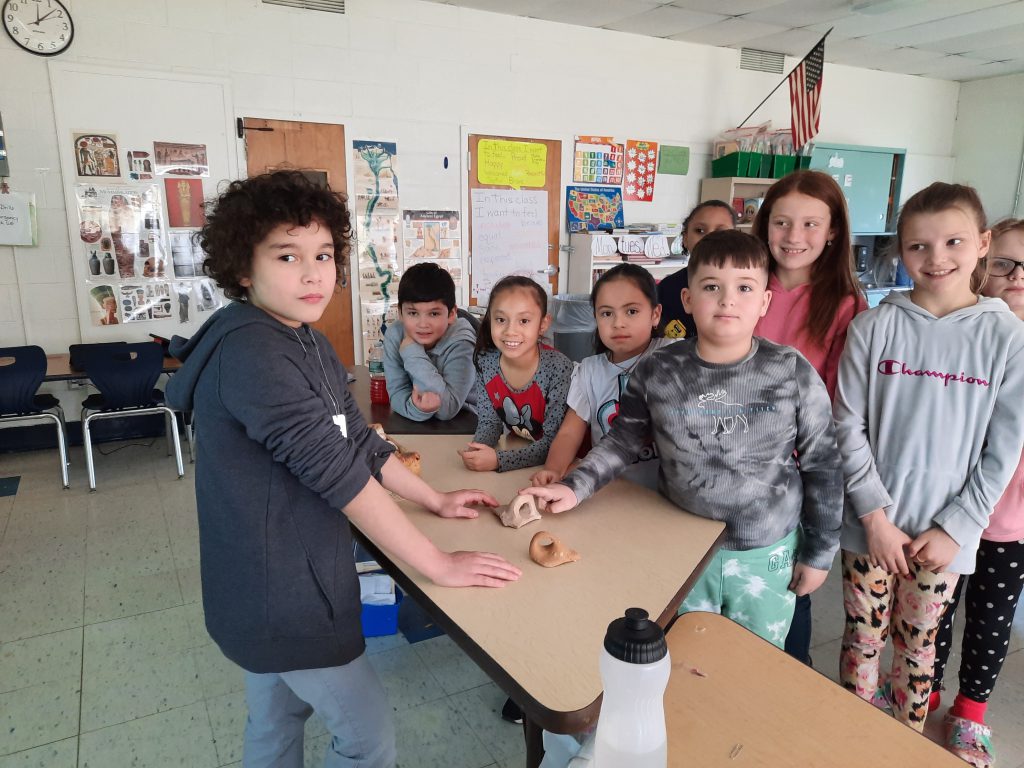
(573,325)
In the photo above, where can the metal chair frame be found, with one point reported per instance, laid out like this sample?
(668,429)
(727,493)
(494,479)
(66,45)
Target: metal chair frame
(62,444)
(172,430)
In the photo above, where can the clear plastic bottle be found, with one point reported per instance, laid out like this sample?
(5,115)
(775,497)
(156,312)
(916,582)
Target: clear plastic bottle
(635,668)
(378,383)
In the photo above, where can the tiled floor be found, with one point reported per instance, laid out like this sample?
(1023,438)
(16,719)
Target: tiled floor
(104,660)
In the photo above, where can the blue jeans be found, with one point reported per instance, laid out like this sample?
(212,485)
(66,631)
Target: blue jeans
(349,699)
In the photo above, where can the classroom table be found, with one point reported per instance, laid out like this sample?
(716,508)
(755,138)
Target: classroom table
(464,422)
(736,701)
(540,638)
(58,368)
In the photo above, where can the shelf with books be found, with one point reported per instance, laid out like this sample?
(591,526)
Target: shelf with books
(588,258)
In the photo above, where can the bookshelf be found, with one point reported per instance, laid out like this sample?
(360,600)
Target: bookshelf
(729,188)
(584,267)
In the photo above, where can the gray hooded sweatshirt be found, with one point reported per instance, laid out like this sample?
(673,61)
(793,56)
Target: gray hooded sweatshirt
(929,418)
(446,368)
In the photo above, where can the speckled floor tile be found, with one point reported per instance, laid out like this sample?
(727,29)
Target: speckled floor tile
(406,678)
(57,754)
(435,735)
(40,659)
(481,708)
(178,738)
(452,668)
(39,714)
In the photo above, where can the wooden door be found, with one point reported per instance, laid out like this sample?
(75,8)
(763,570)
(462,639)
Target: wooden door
(317,149)
(552,184)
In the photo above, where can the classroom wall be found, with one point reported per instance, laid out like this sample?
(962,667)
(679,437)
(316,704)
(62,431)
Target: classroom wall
(988,141)
(424,75)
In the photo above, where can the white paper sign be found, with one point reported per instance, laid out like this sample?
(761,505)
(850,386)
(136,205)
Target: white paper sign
(17,219)
(510,236)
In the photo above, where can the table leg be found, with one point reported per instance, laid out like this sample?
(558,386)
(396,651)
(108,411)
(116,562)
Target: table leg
(533,734)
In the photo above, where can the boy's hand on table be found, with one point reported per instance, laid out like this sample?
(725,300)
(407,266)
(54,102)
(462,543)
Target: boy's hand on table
(428,402)
(474,569)
(933,550)
(479,457)
(806,579)
(458,503)
(886,543)
(560,498)
(545,477)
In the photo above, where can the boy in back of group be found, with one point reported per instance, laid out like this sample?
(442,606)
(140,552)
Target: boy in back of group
(428,355)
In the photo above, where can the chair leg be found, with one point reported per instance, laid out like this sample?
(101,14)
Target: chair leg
(170,425)
(189,418)
(177,444)
(62,446)
(87,442)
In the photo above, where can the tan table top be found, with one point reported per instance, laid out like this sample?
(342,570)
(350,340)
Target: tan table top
(540,638)
(752,705)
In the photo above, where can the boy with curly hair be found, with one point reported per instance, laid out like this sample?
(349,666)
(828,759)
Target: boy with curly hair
(282,448)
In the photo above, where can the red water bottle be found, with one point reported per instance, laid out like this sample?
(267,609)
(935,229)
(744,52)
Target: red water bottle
(378,383)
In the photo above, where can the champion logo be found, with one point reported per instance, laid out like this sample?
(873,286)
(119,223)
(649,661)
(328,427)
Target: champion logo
(900,368)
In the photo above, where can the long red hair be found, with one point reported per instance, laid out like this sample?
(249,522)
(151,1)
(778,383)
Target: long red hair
(832,276)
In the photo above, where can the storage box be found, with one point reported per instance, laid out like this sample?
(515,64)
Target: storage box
(782,164)
(380,620)
(803,162)
(733,164)
(764,166)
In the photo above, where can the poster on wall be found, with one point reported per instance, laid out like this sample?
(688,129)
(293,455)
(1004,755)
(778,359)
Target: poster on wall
(641,170)
(433,236)
(510,236)
(140,165)
(378,229)
(120,230)
(103,305)
(187,255)
(96,155)
(18,225)
(184,202)
(589,209)
(174,159)
(145,301)
(597,160)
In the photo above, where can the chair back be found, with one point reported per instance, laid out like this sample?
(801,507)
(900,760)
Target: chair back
(21,372)
(125,375)
(78,353)
(467,315)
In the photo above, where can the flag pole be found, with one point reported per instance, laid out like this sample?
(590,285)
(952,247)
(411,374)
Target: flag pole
(785,78)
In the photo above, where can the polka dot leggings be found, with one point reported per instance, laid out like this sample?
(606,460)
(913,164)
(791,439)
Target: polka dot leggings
(992,594)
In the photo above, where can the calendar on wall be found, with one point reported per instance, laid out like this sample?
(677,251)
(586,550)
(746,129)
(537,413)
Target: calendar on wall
(597,160)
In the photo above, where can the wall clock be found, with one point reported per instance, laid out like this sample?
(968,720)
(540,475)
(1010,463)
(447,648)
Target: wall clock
(42,27)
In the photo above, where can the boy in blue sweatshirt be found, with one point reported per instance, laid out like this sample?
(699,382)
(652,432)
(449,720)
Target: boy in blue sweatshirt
(428,356)
(285,461)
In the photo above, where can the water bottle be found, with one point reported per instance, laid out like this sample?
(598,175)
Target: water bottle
(378,383)
(635,667)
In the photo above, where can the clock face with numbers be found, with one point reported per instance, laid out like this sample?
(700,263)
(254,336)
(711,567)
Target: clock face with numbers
(42,27)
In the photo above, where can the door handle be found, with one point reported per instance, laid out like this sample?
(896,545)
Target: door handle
(550,270)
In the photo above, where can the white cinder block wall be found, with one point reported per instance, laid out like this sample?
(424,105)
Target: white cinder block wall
(423,75)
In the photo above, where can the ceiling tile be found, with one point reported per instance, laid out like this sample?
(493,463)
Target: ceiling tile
(963,24)
(905,15)
(1005,35)
(727,7)
(795,42)
(730,32)
(856,53)
(964,69)
(594,13)
(801,13)
(998,53)
(665,21)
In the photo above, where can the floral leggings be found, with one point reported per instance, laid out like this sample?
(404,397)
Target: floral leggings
(911,607)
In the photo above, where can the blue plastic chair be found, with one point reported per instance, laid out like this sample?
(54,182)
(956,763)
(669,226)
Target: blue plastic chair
(126,378)
(21,372)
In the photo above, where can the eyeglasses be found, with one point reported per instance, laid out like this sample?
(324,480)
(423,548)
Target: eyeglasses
(1003,267)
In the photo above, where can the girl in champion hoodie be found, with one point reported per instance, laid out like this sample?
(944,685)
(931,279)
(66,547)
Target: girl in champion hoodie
(930,431)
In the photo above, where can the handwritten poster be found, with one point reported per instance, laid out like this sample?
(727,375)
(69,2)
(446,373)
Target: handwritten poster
(511,163)
(641,168)
(17,219)
(510,236)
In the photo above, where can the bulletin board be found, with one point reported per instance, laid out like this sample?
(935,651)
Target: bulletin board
(513,183)
(142,108)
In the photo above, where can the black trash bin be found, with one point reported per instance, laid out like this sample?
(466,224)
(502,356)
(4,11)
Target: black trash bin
(573,325)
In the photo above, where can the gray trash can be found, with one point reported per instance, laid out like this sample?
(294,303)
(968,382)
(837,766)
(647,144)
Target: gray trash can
(573,325)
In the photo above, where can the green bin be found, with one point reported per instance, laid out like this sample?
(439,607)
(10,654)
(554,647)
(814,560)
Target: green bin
(783,164)
(733,164)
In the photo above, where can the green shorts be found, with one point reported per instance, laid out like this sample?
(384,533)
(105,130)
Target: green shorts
(751,588)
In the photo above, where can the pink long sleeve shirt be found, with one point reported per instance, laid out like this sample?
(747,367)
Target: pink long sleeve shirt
(1007,520)
(784,324)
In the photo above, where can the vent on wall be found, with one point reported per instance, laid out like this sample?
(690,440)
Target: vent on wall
(330,6)
(760,61)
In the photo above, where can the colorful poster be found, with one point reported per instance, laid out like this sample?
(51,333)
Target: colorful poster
(378,235)
(103,305)
(96,155)
(140,165)
(511,163)
(434,236)
(180,159)
(121,231)
(597,160)
(184,202)
(187,255)
(588,209)
(641,170)
(145,301)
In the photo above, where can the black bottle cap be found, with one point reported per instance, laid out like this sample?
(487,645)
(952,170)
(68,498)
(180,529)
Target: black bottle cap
(636,639)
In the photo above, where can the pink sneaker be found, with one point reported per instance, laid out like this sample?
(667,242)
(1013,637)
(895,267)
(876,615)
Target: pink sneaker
(970,741)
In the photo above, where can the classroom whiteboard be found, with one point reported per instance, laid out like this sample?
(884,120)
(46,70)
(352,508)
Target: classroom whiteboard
(510,236)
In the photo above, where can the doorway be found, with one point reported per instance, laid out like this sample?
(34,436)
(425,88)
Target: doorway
(318,150)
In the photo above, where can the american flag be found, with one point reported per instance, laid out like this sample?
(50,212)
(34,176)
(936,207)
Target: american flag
(805,95)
